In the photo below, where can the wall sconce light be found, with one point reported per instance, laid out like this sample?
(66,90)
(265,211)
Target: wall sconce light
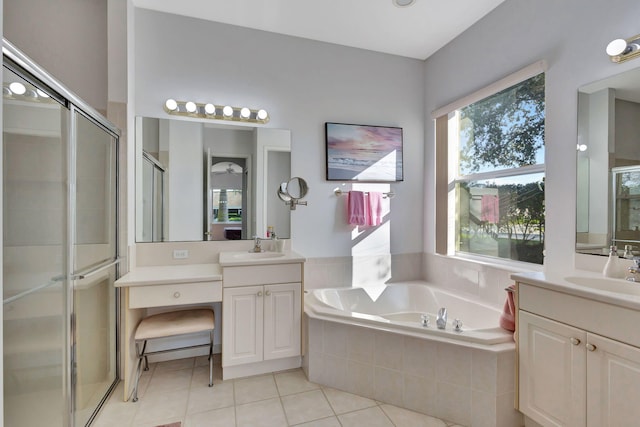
(211,111)
(620,50)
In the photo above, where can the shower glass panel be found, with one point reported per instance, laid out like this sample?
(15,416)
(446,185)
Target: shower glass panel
(94,271)
(34,256)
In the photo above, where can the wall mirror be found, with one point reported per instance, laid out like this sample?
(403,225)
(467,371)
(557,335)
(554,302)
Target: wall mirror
(206,181)
(608,164)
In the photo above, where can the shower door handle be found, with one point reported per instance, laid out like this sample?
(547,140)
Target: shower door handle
(96,270)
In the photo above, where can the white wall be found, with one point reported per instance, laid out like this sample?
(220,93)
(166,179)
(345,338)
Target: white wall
(302,84)
(571,36)
(68,38)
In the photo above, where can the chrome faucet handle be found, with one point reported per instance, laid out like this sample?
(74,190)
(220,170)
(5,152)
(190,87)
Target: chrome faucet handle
(441,318)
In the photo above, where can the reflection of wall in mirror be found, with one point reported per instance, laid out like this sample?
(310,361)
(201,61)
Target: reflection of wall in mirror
(184,172)
(627,133)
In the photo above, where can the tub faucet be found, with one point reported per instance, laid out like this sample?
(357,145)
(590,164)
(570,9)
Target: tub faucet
(257,244)
(441,318)
(632,272)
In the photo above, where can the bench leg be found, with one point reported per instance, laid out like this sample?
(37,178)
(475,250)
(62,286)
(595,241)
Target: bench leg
(141,356)
(211,359)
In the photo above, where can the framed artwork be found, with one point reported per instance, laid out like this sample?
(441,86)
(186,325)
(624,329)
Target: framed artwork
(363,153)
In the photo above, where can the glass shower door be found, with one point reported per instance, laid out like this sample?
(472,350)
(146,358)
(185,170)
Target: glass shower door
(94,266)
(34,256)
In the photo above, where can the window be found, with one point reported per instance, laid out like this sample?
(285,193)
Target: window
(494,174)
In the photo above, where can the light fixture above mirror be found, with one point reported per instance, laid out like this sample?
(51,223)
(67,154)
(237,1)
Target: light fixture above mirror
(620,50)
(215,112)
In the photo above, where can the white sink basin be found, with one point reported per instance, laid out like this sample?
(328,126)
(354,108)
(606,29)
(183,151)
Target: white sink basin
(604,284)
(256,255)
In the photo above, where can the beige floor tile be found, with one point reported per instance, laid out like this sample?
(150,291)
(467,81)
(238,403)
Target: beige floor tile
(225,417)
(169,381)
(265,413)
(405,418)
(371,417)
(307,406)
(161,408)
(343,402)
(255,388)
(325,422)
(175,365)
(293,382)
(207,398)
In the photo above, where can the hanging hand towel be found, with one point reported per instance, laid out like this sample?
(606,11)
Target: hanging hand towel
(356,208)
(508,317)
(374,216)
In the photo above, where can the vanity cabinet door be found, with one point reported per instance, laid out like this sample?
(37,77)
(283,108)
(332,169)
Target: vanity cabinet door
(282,308)
(242,325)
(613,383)
(552,365)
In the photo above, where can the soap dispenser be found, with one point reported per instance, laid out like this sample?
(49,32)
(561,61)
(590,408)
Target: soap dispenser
(611,268)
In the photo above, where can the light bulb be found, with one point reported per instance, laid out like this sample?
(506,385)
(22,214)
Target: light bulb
(210,109)
(17,88)
(171,104)
(227,111)
(616,47)
(190,106)
(262,114)
(245,113)
(42,94)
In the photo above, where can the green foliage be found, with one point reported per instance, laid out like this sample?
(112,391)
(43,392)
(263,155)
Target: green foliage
(505,130)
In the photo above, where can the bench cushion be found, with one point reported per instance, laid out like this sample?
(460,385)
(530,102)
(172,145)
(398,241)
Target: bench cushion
(175,323)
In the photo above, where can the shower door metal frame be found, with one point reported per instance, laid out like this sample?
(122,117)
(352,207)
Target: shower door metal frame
(22,65)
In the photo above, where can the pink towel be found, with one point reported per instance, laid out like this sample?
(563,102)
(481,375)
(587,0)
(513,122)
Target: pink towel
(356,208)
(508,317)
(375,208)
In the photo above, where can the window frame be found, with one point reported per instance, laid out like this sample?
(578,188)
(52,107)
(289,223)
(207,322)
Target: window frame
(447,175)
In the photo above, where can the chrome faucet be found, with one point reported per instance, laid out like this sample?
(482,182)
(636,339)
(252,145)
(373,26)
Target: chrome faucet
(257,244)
(632,272)
(441,318)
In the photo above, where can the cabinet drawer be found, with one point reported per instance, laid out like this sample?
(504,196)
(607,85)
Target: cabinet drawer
(174,294)
(262,274)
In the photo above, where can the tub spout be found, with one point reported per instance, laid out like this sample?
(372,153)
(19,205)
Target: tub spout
(441,319)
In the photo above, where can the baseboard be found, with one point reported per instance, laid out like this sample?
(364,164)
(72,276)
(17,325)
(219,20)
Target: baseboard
(264,367)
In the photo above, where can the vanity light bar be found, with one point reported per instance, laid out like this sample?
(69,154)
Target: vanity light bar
(620,50)
(215,112)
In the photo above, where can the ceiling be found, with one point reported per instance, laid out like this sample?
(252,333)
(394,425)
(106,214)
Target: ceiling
(416,31)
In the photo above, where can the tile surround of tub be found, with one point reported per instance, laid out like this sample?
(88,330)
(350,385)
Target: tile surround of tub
(468,386)
(349,271)
(484,280)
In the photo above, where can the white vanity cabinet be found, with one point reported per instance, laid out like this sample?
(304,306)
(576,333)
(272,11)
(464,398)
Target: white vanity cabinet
(569,373)
(261,319)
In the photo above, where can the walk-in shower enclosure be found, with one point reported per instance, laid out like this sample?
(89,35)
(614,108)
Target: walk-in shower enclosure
(60,251)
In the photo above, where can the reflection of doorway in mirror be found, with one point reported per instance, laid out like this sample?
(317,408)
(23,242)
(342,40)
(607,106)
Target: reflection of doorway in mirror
(227,202)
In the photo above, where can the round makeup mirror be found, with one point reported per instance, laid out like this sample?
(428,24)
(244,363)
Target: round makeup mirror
(292,191)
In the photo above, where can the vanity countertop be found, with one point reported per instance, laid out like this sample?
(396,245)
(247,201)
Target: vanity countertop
(242,258)
(164,274)
(587,285)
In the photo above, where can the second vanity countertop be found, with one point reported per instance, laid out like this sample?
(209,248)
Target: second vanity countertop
(165,274)
(246,258)
(587,285)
